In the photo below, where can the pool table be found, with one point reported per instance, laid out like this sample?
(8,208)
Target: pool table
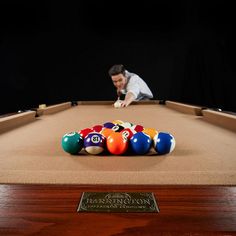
(194,186)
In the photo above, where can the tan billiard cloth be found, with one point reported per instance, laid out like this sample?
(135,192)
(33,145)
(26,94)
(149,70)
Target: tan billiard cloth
(204,153)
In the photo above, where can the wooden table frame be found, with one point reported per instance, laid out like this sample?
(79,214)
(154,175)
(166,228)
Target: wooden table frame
(51,210)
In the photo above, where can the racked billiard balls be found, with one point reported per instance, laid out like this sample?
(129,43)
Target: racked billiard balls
(140,143)
(72,142)
(117,144)
(164,143)
(94,143)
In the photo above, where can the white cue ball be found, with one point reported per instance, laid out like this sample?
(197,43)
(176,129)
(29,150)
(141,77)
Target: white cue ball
(117,104)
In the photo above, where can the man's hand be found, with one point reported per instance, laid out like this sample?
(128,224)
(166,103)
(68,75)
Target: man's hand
(123,104)
(128,99)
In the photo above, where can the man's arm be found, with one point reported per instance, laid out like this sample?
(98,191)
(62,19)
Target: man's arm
(129,97)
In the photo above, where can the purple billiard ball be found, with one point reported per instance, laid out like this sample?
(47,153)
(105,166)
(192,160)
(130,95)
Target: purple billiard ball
(108,125)
(94,143)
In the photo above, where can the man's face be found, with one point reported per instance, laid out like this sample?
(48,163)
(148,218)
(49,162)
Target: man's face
(119,81)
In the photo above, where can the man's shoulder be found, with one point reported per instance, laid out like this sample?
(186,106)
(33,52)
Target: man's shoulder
(132,76)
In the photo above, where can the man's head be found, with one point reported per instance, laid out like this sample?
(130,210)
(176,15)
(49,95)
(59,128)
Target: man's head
(117,74)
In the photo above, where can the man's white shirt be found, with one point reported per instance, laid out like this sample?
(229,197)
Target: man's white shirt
(137,86)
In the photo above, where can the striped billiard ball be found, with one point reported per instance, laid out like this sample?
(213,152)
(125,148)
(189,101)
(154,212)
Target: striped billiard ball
(164,143)
(94,143)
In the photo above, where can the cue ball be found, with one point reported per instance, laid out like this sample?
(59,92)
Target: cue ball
(164,143)
(94,143)
(117,104)
(72,142)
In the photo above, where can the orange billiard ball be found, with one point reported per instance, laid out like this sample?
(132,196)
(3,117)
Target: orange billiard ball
(117,144)
(106,132)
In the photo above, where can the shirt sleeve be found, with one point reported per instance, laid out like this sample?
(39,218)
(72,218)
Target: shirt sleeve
(133,87)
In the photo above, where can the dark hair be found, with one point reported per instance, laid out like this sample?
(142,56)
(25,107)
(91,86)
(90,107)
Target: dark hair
(116,69)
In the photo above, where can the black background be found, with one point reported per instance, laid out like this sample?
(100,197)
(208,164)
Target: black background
(52,51)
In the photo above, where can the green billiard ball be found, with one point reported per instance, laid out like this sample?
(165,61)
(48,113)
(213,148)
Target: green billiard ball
(72,142)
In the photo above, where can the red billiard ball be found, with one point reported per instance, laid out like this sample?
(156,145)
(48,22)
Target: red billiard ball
(97,128)
(128,133)
(138,128)
(85,132)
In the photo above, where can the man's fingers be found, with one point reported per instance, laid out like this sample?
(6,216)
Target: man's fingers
(123,104)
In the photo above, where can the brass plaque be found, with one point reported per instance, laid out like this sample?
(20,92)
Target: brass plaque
(117,202)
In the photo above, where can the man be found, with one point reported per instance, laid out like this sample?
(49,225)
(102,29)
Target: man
(131,85)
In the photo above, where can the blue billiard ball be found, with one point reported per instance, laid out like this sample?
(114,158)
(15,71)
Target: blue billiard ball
(94,143)
(140,143)
(72,142)
(163,143)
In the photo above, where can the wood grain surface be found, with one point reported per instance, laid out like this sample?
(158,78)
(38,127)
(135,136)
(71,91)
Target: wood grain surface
(52,210)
